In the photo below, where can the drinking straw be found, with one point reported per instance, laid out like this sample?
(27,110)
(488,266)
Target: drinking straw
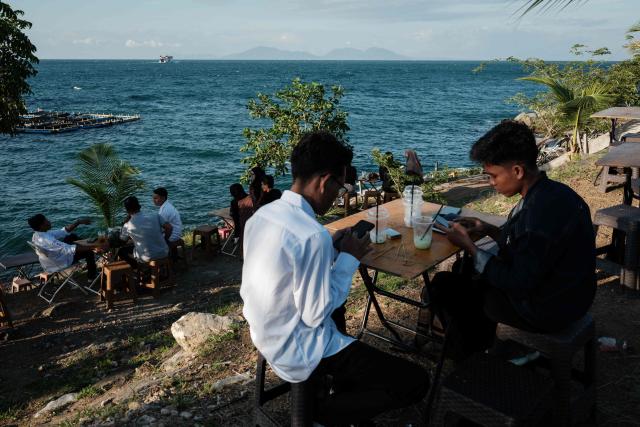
(411,208)
(432,222)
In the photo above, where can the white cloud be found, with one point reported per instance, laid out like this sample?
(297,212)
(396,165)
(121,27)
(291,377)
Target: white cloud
(87,41)
(149,43)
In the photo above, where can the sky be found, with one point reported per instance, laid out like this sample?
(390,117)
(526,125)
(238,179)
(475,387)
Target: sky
(418,29)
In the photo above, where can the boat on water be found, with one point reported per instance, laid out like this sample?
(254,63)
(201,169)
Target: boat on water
(58,122)
(165,59)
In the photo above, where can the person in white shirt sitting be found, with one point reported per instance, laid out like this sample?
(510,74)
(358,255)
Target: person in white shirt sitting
(172,224)
(294,286)
(57,250)
(145,229)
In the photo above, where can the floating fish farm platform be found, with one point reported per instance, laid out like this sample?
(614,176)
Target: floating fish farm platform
(58,122)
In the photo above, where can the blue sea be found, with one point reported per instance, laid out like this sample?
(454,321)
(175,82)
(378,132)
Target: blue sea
(193,113)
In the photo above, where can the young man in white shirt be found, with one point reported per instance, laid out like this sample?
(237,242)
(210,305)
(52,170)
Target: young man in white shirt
(145,229)
(172,223)
(294,286)
(57,252)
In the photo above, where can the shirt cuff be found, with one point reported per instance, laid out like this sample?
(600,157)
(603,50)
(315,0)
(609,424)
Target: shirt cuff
(481,259)
(346,263)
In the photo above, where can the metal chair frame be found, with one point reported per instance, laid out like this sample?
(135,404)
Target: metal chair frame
(65,274)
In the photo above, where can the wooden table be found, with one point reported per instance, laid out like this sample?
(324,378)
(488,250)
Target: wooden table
(225,215)
(400,258)
(625,155)
(615,113)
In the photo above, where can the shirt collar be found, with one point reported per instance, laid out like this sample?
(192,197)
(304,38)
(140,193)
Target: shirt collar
(298,201)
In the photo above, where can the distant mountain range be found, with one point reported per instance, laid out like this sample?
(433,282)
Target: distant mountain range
(347,54)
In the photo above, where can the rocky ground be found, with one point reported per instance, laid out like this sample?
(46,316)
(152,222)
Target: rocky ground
(74,363)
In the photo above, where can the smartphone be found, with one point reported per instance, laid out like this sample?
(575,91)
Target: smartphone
(360,229)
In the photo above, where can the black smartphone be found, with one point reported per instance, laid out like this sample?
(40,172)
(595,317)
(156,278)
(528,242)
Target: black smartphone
(360,229)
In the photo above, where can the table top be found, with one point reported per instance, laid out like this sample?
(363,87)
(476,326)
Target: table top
(623,155)
(222,213)
(19,260)
(618,113)
(408,262)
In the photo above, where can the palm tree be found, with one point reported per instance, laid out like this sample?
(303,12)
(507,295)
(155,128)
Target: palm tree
(576,105)
(633,44)
(105,179)
(547,4)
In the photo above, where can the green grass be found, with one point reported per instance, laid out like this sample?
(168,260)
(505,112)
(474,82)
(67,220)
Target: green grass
(212,343)
(102,413)
(11,413)
(89,391)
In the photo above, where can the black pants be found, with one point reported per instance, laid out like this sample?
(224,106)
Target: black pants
(366,382)
(125,253)
(472,309)
(85,253)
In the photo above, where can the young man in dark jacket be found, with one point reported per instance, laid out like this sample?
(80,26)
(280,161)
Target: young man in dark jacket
(543,277)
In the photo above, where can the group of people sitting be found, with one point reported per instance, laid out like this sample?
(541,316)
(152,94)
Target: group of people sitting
(152,235)
(296,277)
(243,205)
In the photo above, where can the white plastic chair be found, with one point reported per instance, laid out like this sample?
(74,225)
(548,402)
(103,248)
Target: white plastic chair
(61,274)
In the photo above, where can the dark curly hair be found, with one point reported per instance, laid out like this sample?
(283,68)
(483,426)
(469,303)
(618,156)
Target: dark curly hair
(509,141)
(318,153)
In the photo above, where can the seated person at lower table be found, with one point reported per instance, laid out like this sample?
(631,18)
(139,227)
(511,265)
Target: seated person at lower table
(238,193)
(294,286)
(172,224)
(57,250)
(543,277)
(269,194)
(146,232)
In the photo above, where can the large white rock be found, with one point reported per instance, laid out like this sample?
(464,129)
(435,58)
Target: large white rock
(192,330)
(58,403)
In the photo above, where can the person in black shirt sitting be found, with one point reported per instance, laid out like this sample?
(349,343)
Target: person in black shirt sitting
(268,193)
(543,277)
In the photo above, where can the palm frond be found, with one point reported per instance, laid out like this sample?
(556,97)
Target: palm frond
(546,5)
(635,28)
(105,179)
(561,92)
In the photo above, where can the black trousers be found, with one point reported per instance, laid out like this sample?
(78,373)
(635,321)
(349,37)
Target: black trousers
(365,382)
(472,308)
(125,253)
(84,253)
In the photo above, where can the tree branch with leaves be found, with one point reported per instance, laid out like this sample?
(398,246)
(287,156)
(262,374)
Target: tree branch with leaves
(294,110)
(17,61)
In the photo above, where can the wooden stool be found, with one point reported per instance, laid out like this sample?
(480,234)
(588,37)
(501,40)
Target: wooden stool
(19,284)
(624,220)
(161,274)
(390,195)
(574,391)
(207,234)
(493,392)
(174,251)
(119,272)
(368,194)
(5,316)
(301,399)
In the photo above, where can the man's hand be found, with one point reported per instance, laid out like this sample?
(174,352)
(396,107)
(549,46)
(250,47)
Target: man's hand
(459,236)
(354,246)
(477,226)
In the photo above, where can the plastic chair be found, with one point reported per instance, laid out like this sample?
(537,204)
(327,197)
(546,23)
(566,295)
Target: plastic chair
(64,275)
(574,392)
(493,392)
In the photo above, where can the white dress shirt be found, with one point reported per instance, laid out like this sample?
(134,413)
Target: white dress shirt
(170,214)
(291,283)
(145,229)
(54,255)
